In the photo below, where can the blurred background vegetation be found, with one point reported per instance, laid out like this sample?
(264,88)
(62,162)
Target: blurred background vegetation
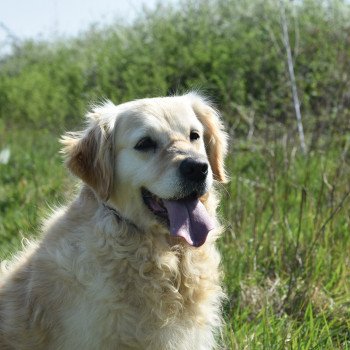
(231,49)
(286,247)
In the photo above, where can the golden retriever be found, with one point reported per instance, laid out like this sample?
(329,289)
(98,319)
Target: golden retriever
(131,263)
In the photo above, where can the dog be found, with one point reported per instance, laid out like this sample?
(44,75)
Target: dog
(131,263)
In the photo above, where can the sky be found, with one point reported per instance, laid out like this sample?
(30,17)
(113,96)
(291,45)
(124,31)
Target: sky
(45,19)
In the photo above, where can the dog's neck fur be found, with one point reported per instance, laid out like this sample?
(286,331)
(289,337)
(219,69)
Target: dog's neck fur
(174,260)
(119,218)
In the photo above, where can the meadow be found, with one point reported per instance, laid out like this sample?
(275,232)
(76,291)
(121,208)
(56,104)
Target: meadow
(286,246)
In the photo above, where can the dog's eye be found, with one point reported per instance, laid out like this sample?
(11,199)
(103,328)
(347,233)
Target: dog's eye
(194,135)
(146,144)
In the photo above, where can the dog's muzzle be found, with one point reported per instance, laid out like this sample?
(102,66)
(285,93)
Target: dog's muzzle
(186,215)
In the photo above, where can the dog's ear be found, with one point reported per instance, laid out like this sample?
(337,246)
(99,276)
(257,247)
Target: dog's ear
(89,155)
(215,137)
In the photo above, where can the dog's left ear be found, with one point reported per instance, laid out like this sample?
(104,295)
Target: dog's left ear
(89,155)
(215,137)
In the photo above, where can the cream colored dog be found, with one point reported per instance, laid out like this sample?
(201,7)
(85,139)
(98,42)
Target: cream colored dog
(131,263)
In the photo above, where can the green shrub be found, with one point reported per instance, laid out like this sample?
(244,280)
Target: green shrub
(232,50)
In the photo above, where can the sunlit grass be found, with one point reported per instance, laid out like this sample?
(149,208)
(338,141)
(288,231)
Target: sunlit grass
(33,180)
(286,249)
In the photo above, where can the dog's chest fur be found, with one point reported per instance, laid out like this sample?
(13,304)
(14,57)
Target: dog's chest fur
(127,289)
(144,290)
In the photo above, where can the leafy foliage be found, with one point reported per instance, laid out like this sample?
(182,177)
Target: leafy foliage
(231,49)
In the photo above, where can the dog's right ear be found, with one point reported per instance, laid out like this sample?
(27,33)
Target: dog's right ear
(89,155)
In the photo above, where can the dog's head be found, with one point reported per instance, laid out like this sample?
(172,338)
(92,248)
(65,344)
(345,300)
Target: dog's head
(153,160)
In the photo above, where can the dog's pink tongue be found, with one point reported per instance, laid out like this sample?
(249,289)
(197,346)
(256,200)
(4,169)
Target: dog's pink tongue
(189,219)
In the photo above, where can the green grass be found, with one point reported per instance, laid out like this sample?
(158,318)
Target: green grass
(285,250)
(32,181)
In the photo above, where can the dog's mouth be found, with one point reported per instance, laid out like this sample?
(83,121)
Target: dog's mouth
(186,217)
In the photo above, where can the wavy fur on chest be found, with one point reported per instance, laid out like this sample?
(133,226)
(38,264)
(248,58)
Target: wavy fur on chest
(120,287)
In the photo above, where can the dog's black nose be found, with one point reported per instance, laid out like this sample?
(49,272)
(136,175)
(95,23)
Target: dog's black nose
(193,169)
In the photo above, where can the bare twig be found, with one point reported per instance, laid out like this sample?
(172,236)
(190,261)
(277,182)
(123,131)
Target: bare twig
(10,34)
(292,75)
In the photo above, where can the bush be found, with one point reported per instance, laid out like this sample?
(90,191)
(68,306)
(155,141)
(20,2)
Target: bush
(230,49)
